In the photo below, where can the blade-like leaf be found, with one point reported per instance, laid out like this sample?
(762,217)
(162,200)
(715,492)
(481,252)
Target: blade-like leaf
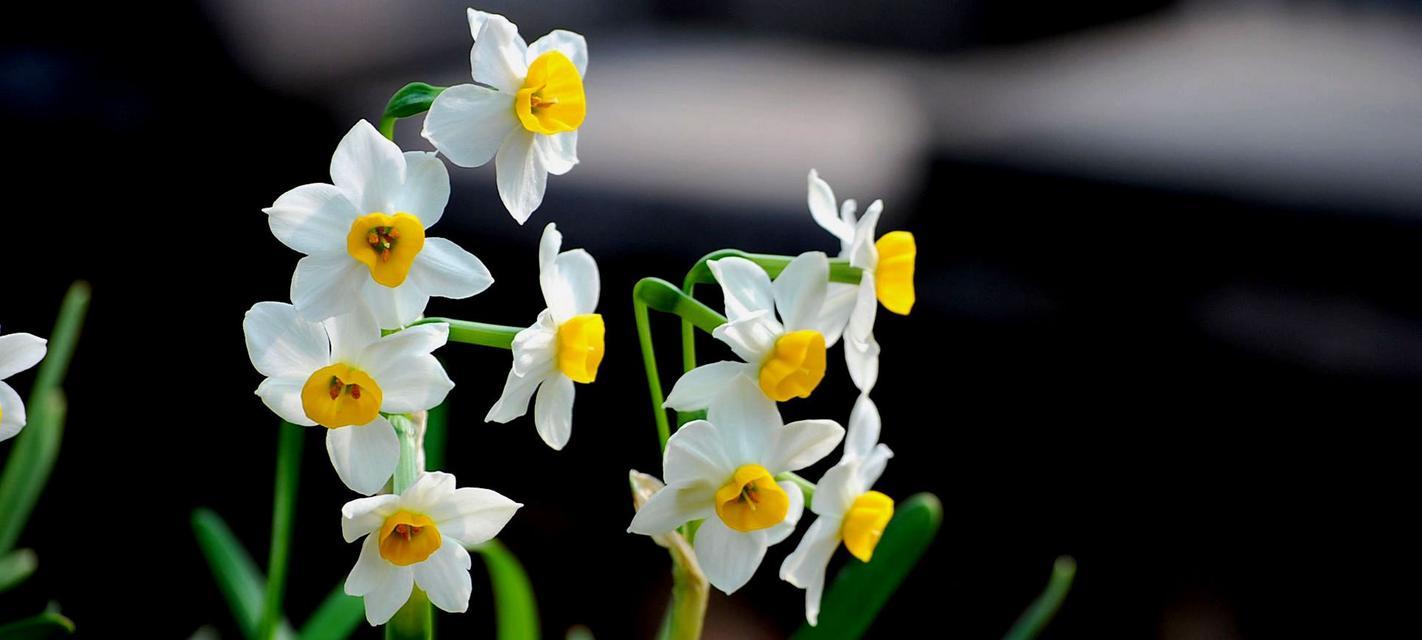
(514,605)
(1041,611)
(436,436)
(336,618)
(233,570)
(16,567)
(44,625)
(851,603)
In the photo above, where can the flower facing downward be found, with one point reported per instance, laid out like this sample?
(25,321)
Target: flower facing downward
(787,360)
(722,469)
(524,114)
(564,346)
(342,375)
(848,509)
(418,538)
(888,266)
(364,236)
(18,352)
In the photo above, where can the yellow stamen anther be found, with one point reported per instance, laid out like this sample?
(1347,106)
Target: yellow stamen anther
(893,277)
(386,244)
(796,366)
(864,523)
(340,396)
(407,537)
(551,99)
(751,500)
(580,347)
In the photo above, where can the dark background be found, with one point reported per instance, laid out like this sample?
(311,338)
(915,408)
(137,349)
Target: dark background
(1167,319)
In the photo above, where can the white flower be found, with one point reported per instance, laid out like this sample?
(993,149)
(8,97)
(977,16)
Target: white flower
(364,235)
(18,352)
(524,114)
(848,510)
(419,538)
(888,277)
(722,469)
(564,346)
(786,359)
(342,375)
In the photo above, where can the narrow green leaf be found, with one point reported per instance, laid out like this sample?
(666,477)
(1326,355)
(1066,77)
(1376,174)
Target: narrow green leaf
(1044,608)
(288,478)
(44,625)
(15,567)
(414,621)
(514,604)
(436,435)
(233,570)
(336,618)
(412,99)
(851,603)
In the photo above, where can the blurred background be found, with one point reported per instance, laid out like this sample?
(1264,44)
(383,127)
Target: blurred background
(1166,323)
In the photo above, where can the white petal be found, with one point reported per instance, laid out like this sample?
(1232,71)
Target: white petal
(444,576)
(535,348)
(521,177)
(370,570)
(12,412)
(695,389)
(840,299)
(570,44)
(553,411)
(425,191)
(746,287)
(863,253)
(499,54)
(20,351)
(473,516)
(573,286)
(282,344)
(752,336)
(549,244)
(312,218)
(728,558)
(558,152)
(863,362)
(826,214)
(800,291)
(394,307)
(283,397)
(802,443)
(873,465)
(364,456)
(864,424)
(365,515)
(672,506)
(430,490)
(779,532)
(514,400)
(444,269)
(805,567)
(697,452)
(327,285)
(837,490)
(385,586)
(410,378)
(467,123)
(369,168)
(350,334)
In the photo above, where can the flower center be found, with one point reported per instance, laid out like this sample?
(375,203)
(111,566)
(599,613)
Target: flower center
(864,523)
(893,276)
(551,99)
(580,346)
(751,500)
(407,537)
(795,367)
(340,396)
(386,244)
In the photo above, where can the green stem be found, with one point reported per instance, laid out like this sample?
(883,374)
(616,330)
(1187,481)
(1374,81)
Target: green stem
(477,333)
(288,476)
(687,611)
(412,99)
(700,273)
(1041,611)
(414,620)
(655,293)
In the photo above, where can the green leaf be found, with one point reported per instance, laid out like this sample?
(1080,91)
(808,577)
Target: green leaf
(233,570)
(514,605)
(336,618)
(1041,611)
(412,99)
(436,435)
(44,625)
(36,448)
(15,567)
(414,620)
(288,477)
(851,603)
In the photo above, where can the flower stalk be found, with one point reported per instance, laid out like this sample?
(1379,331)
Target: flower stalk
(415,620)
(288,476)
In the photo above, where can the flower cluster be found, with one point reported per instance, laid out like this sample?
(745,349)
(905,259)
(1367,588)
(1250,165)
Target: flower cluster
(18,352)
(352,352)
(727,475)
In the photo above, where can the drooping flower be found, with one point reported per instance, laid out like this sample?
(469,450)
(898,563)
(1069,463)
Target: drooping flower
(18,352)
(888,265)
(785,357)
(722,470)
(564,346)
(848,509)
(364,236)
(418,538)
(342,375)
(523,114)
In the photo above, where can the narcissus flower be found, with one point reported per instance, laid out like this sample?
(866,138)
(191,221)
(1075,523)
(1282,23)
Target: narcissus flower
(564,346)
(523,114)
(342,375)
(888,265)
(722,470)
(785,357)
(18,352)
(848,509)
(364,236)
(418,538)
